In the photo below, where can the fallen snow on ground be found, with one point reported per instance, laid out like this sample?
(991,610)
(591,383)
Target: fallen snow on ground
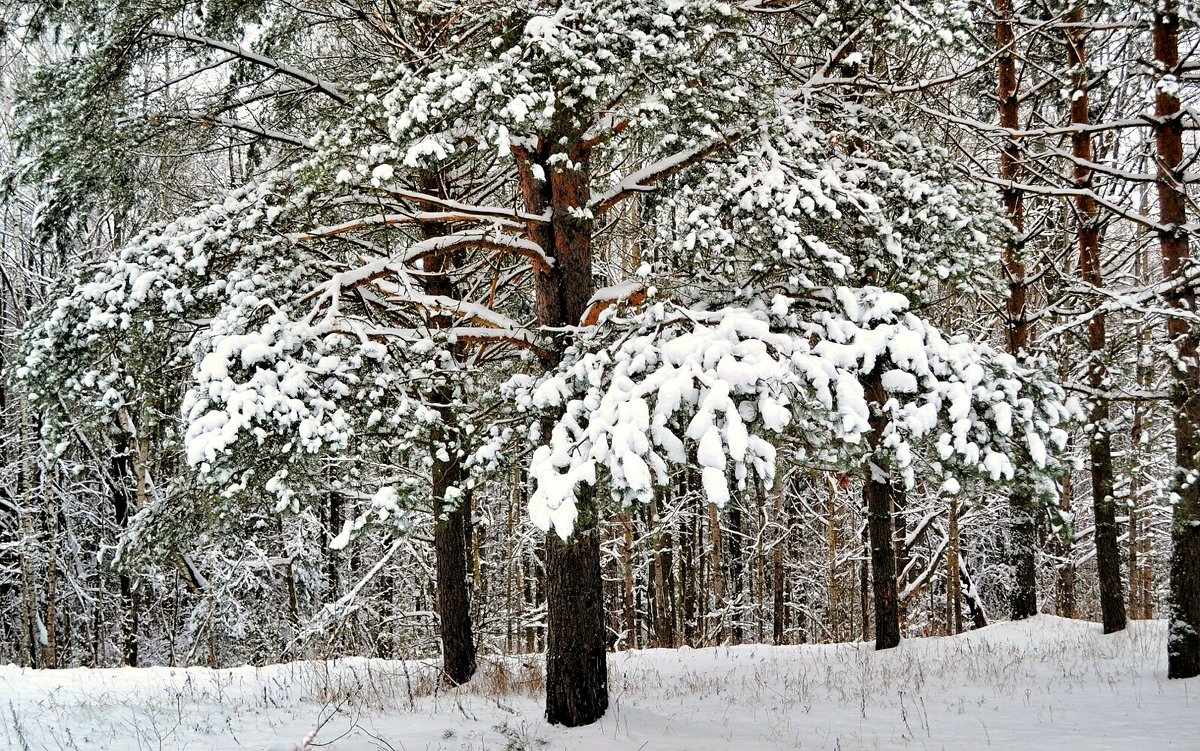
(1046,683)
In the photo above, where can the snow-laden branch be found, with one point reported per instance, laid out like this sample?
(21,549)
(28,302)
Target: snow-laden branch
(643,180)
(316,82)
(487,239)
(730,385)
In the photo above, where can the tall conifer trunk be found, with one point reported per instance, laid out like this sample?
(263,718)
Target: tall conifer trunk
(878,495)
(451,514)
(1108,557)
(1183,644)
(576,661)
(122,472)
(1023,534)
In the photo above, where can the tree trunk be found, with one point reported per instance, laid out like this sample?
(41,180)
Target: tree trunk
(954,619)
(736,570)
(878,495)
(717,571)
(451,512)
(451,531)
(1108,557)
(576,668)
(1183,644)
(778,578)
(1022,536)
(1065,584)
(631,640)
(122,472)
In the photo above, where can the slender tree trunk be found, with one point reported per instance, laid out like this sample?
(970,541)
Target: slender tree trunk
(899,538)
(834,616)
(1108,557)
(954,619)
(1022,536)
(864,577)
(122,473)
(1183,644)
(716,570)
(736,570)
(627,573)
(1065,585)
(778,577)
(451,512)
(688,566)
(878,495)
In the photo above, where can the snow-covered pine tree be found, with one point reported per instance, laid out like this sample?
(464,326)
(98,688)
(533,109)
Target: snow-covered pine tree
(319,362)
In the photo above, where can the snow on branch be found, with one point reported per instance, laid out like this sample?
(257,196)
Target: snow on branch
(722,389)
(629,292)
(317,83)
(487,239)
(643,180)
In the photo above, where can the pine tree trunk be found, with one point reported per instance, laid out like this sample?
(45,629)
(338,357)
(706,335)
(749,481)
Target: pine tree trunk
(1022,536)
(1065,585)
(778,578)
(954,619)
(451,515)
(736,570)
(451,531)
(864,578)
(1108,557)
(576,668)
(631,640)
(1183,645)
(688,566)
(878,496)
(716,570)
(122,472)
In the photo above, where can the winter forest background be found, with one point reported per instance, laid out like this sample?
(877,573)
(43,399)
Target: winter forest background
(446,330)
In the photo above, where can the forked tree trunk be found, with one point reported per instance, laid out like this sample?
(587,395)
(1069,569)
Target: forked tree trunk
(1108,556)
(1183,643)
(1022,535)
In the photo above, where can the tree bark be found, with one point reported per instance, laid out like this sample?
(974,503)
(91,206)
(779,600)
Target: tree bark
(1183,642)
(576,667)
(1108,557)
(1022,536)
(717,571)
(451,531)
(122,472)
(1065,585)
(954,619)
(778,576)
(878,494)
(451,513)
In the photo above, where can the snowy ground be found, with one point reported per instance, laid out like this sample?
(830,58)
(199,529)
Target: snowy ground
(1047,683)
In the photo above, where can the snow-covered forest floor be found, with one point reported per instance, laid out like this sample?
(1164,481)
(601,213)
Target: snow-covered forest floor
(1045,683)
